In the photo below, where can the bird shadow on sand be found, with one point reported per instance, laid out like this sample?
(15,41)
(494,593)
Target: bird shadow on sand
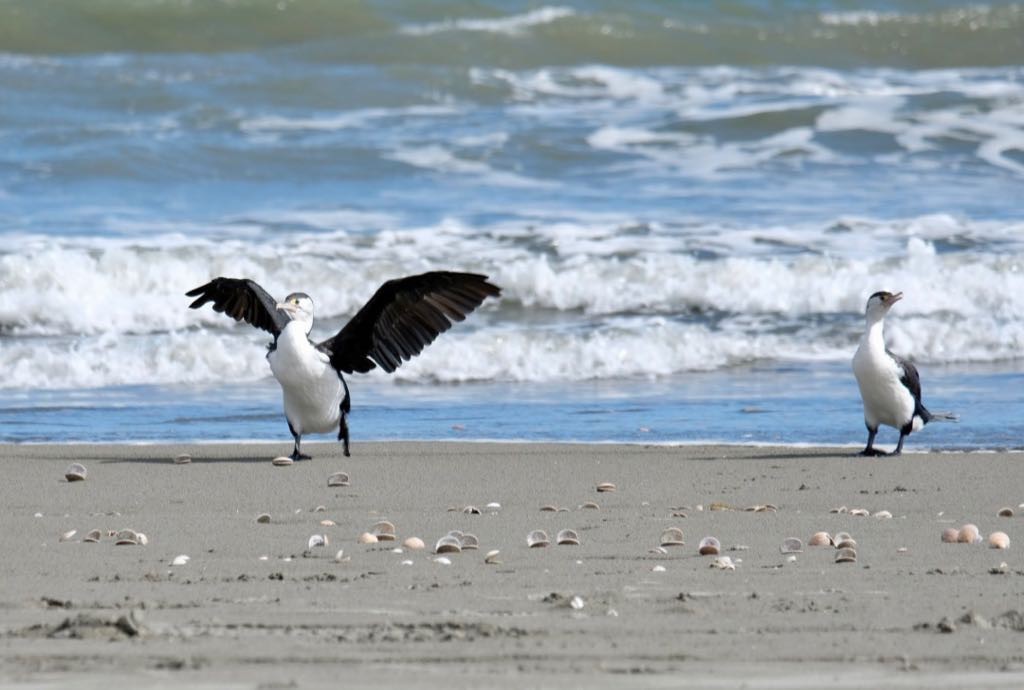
(797,455)
(251,459)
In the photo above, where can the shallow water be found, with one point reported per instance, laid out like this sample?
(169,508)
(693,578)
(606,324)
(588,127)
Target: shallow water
(667,193)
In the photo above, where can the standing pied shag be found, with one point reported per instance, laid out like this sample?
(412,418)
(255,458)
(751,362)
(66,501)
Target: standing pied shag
(403,316)
(889,385)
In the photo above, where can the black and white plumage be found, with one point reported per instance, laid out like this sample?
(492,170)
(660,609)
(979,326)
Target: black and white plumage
(403,316)
(890,386)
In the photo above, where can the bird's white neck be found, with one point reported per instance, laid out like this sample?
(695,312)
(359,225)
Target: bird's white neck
(874,334)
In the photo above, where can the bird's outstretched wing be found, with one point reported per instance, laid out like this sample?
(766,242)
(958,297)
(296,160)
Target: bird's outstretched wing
(404,316)
(242,300)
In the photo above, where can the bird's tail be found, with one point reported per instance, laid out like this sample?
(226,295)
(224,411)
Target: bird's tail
(929,416)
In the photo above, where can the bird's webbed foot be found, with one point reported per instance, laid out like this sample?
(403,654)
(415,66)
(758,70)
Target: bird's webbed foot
(296,456)
(872,453)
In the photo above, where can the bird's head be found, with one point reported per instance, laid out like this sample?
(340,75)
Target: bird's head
(299,307)
(880,303)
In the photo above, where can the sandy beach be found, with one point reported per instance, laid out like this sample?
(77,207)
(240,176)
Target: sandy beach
(255,608)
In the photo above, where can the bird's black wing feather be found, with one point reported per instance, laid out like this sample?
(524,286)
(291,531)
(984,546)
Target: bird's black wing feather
(909,376)
(404,316)
(242,300)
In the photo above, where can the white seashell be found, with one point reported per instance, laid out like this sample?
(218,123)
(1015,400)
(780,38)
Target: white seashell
(840,509)
(567,537)
(723,563)
(317,540)
(338,479)
(180,560)
(605,487)
(709,546)
(999,540)
(537,538)
(340,556)
(182,459)
(673,536)
(67,535)
(264,558)
(658,569)
(75,472)
(969,534)
(492,557)
(448,544)
(443,560)
(661,550)
(950,535)
(328,523)
(820,539)
(414,544)
(469,542)
(282,461)
(790,559)
(860,512)
(577,602)
(471,510)
(792,545)
(407,561)
(846,555)
(549,509)
(93,536)
(384,531)
(320,509)
(902,549)
(883,514)
(1005,512)
(589,505)
(367,538)
(398,549)
(493,506)
(142,538)
(263,518)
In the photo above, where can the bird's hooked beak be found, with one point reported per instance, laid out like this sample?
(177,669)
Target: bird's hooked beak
(893,299)
(286,307)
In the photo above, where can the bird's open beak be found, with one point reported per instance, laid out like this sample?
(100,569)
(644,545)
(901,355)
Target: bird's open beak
(894,298)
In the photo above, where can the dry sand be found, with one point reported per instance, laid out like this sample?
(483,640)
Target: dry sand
(98,615)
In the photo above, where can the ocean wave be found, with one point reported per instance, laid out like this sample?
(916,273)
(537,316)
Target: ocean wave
(511,24)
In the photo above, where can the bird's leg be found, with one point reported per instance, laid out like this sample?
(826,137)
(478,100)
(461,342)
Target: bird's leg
(904,432)
(296,455)
(869,449)
(346,407)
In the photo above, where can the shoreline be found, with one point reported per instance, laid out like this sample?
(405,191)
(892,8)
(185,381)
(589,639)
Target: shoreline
(646,618)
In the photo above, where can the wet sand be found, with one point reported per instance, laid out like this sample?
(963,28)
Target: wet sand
(96,614)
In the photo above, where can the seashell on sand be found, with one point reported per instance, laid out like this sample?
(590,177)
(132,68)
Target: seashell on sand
(792,545)
(384,531)
(658,569)
(840,510)
(549,509)
(367,538)
(469,542)
(282,461)
(448,544)
(969,534)
(75,472)
(723,563)
(126,537)
(340,556)
(567,537)
(672,536)
(180,560)
(709,546)
(882,514)
(1005,512)
(320,509)
(414,544)
(471,510)
(67,535)
(846,555)
(317,540)
(577,602)
(492,557)
(182,459)
(999,540)
(493,506)
(263,518)
(765,508)
(443,560)
(860,512)
(820,539)
(660,550)
(338,479)
(843,540)
(143,539)
(93,536)
(589,505)
(950,535)
(328,523)
(537,539)
(605,487)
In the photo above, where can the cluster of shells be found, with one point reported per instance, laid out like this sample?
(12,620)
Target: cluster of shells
(123,537)
(844,544)
(538,538)
(861,512)
(970,534)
